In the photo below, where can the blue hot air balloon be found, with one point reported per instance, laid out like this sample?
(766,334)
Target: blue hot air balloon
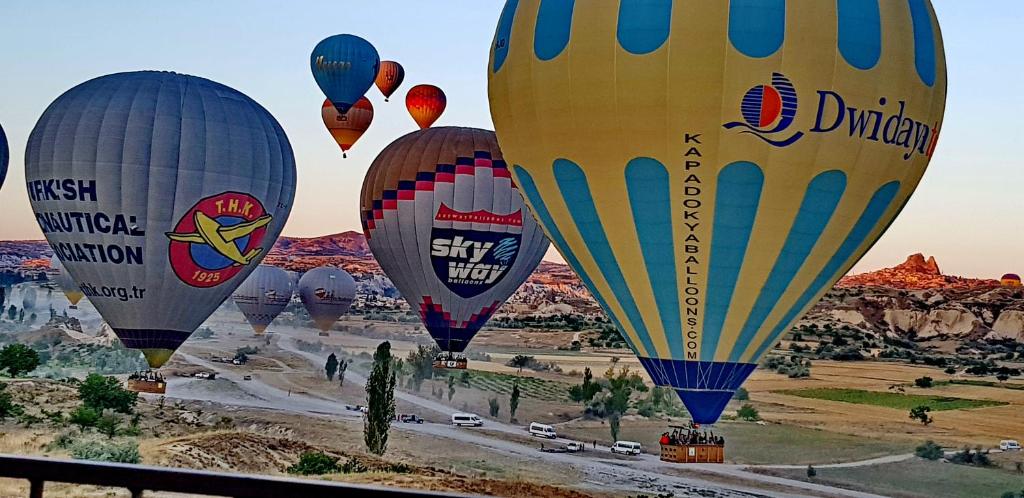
(345,67)
(5,156)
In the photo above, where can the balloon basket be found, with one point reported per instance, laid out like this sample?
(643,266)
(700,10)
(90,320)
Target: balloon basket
(147,382)
(73,307)
(451,363)
(689,445)
(323,334)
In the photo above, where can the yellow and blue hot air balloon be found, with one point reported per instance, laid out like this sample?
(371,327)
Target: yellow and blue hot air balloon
(710,169)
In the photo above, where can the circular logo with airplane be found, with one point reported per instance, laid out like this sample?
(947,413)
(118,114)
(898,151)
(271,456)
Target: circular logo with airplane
(217,238)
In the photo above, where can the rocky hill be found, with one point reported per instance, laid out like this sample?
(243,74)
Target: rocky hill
(913,274)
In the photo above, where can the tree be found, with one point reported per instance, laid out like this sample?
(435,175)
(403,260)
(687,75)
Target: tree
(315,463)
(109,425)
(585,392)
(451,387)
(923,382)
(8,407)
(380,400)
(12,313)
(950,370)
(84,417)
(741,394)
(331,367)
(521,360)
(615,402)
(105,393)
(342,367)
(749,413)
(1002,377)
(18,359)
(513,401)
(493,407)
(421,361)
(929,451)
(921,413)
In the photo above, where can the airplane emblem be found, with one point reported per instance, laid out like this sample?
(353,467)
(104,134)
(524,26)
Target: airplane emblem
(221,238)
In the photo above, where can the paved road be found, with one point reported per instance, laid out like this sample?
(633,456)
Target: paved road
(645,472)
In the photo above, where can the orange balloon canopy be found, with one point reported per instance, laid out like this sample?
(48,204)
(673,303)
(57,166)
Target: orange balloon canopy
(389,78)
(347,128)
(426,103)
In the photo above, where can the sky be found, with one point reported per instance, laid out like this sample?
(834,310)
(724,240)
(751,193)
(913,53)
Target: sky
(968,211)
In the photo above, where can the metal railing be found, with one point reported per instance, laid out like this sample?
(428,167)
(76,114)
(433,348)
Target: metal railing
(139,478)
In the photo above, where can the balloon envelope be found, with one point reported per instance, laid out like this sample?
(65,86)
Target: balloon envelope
(389,78)
(347,128)
(710,169)
(327,293)
(263,296)
(448,226)
(345,67)
(28,298)
(64,281)
(160,193)
(425,103)
(5,155)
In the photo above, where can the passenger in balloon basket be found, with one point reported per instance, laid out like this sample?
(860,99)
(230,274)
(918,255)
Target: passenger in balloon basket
(448,359)
(690,444)
(149,381)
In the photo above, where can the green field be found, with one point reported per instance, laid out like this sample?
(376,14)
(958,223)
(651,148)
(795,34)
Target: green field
(982,383)
(890,400)
(546,390)
(917,478)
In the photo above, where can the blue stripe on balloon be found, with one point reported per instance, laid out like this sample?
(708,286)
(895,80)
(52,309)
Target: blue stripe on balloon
(644,25)
(736,200)
(651,201)
(860,32)
(578,199)
(924,41)
(529,189)
(819,204)
(868,220)
(757,28)
(503,39)
(554,24)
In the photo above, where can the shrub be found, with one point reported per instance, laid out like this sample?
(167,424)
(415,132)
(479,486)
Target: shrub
(84,417)
(741,395)
(929,451)
(921,413)
(106,451)
(923,382)
(976,458)
(314,463)
(811,472)
(749,413)
(493,407)
(353,466)
(105,393)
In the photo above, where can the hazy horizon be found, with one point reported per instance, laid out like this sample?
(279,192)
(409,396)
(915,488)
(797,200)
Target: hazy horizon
(956,214)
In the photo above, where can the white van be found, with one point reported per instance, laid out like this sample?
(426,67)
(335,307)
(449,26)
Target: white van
(1009,445)
(541,430)
(626,448)
(466,419)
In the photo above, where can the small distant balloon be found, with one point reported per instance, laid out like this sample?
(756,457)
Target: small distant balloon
(345,67)
(64,281)
(389,78)
(348,127)
(263,296)
(327,293)
(425,103)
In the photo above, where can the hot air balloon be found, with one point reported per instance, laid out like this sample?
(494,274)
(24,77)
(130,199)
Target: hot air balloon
(66,284)
(1010,280)
(160,193)
(263,296)
(389,78)
(347,128)
(28,298)
(5,155)
(710,169)
(447,225)
(345,67)
(327,293)
(425,103)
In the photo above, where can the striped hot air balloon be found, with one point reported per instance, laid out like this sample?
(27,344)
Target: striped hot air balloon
(425,103)
(389,78)
(446,223)
(347,128)
(711,168)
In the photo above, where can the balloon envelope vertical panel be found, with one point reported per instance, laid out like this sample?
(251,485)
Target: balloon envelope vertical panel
(710,169)
(448,226)
(160,193)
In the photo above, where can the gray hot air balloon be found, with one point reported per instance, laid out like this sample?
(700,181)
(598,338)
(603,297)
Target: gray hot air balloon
(28,298)
(327,293)
(64,281)
(160,192)
(263,296)
(447,224)
(5,156)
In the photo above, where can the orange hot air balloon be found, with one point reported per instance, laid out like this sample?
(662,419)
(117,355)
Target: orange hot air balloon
(426,103)
(389,78)
(347,128)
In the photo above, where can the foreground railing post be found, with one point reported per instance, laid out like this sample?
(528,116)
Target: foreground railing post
(35,489)
(136,493)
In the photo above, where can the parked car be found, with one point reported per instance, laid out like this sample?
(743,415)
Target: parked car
(410,418)
(247,377)
(1009,445)
(542,430)
(626,448)
(466,419)
(575,447)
